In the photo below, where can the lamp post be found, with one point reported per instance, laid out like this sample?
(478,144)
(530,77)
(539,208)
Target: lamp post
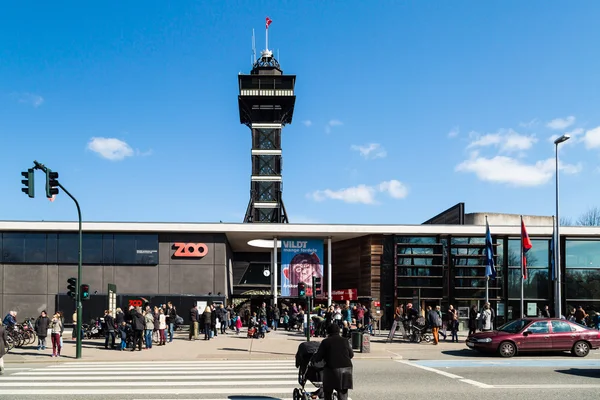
(558,290)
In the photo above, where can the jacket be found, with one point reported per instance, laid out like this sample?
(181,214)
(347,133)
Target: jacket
(337,354)
(41,326)
(149,319)
(137,321)
(56,326)
(193,315)
(434,319)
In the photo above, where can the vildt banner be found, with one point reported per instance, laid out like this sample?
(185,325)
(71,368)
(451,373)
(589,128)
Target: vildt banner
(300,261)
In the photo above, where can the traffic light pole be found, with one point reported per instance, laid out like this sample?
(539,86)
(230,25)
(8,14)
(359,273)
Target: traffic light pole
(308,320)
(79,264)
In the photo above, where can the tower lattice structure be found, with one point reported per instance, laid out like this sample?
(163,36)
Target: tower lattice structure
(266,102)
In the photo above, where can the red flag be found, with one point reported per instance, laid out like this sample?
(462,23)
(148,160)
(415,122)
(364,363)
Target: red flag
(526,242)
(268,22)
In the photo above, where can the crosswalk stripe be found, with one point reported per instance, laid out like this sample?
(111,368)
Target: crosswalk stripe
(204,362)
(147,391)
(173,370)
(154,371)
(146,384)
(58,378)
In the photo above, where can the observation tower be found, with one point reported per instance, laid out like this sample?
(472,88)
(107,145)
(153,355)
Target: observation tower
(266,102)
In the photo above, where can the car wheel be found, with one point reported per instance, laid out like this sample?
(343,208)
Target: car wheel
(507,349)
(581,349)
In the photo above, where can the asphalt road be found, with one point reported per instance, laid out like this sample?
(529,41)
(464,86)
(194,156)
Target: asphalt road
(464,377)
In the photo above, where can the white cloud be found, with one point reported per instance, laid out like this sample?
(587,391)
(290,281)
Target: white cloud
(507,170)
(332,123)
(394,188)
(307,122)
(506,140)
(358,194)
(561,123)
(454,132)
(370,151)
(362,194)
(592,138)
(534,122)
(32,99)
(110,148)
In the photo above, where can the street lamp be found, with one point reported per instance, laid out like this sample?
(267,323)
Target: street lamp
(558,306)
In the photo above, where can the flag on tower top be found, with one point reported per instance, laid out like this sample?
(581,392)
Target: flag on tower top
(268,22)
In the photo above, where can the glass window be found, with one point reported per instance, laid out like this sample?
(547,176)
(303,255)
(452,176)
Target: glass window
(560,326)
(108,256)
(68,248)
(146,249)
(125,249)
(92,248)
(536,286)
(537,257)
(582,284)
(416,240)
(52,248)
(582,253)
(35,248)
(456,241)
(254,274)
(13,250)
(539,327)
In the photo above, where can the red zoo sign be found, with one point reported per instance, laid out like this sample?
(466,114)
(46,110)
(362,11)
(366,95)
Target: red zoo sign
(136,303)
(190,249)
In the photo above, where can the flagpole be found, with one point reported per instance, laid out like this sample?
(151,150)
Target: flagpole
(553,263)
(522,275)
(267,39)
(487,277)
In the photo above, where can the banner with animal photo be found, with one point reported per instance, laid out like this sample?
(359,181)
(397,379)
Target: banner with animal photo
(301,259)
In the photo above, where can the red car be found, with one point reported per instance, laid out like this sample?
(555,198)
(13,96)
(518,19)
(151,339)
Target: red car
(536,334)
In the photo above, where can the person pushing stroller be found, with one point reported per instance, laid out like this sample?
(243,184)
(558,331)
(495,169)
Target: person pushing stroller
(336,353)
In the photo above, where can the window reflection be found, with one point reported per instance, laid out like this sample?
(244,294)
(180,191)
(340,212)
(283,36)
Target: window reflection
(582,254)
(537,257)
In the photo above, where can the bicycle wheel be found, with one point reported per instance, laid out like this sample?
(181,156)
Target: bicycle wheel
(32,338)
(11,342)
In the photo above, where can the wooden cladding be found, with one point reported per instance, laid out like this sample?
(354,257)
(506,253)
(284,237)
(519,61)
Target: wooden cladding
(357,264)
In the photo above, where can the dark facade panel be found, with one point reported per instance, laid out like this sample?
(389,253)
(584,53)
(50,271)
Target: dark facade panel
(455,215)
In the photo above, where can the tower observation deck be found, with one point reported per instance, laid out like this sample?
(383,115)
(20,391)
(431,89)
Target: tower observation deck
(266,102)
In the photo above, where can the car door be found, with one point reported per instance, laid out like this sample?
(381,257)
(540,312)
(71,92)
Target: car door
(536,337)
(563,337)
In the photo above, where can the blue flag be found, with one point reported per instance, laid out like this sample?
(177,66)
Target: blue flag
(490,269)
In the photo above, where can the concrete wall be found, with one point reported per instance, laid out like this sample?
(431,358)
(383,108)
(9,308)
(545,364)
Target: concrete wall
(29,289)
(507,219)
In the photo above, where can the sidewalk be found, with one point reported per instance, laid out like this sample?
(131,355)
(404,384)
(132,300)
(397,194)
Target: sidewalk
(276,345)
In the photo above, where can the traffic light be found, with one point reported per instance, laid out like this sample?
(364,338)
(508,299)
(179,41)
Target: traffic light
(51,183)
(302,289)
(72,287)
(85,292)
(317,285)
(28,182)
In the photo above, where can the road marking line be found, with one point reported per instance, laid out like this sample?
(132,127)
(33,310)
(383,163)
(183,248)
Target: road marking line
(104,377)
(478,384)
(565,386)
(151,367)
(446,374)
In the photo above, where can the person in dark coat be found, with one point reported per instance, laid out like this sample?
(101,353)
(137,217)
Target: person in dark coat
(337,354)
(41,329)
(3,347)
(138,324)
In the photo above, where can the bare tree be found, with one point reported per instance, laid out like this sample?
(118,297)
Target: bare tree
(590,218)
(566,221)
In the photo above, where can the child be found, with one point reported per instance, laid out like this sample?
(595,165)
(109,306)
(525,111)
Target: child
(238,325)
(123,334)
(454,327)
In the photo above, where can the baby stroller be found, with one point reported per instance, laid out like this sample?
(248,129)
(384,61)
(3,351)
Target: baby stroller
(308,371)
(420,331)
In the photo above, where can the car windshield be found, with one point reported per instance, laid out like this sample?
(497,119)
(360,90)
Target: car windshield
(514,326)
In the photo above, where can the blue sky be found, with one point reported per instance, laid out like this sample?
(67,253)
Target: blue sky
(404,108)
